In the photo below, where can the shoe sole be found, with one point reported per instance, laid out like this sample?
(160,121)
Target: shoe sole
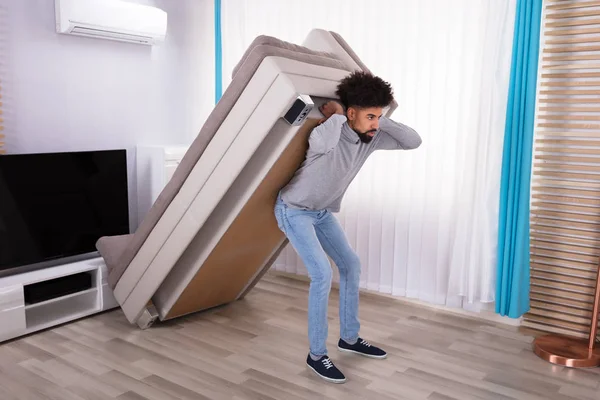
(331,380)
(362,354)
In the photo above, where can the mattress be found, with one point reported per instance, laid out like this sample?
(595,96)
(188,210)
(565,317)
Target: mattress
(212,234)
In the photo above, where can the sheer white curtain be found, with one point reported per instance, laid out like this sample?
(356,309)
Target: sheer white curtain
(423,222)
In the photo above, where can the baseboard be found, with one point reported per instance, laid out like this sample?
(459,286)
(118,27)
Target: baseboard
(487,315)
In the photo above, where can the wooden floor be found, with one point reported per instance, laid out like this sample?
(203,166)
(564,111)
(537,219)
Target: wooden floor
(255,349)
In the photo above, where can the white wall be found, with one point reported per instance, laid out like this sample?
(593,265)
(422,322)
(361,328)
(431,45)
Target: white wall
(66,93)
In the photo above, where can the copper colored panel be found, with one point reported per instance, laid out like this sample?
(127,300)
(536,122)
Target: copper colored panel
(251,243)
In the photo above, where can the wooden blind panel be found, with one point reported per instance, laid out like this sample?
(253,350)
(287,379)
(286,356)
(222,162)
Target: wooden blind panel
(564,320)
(569,259)
(565,190)
(561,321)
(571,242)
(554,183)
(568,215)
(568,142)
(564,40)
(573,311)
(538,243)
(564,5)
(574,49)
(566,67)
(549,173)
(571,159)
(553,328)
(571,14)
(566,167)
(558,302)
(565,117)
(562,296)
(545,273)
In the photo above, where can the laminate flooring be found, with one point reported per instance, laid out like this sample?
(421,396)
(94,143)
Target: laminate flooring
(255,348)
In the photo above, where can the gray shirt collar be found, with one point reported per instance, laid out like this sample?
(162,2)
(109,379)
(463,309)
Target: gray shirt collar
(349,134)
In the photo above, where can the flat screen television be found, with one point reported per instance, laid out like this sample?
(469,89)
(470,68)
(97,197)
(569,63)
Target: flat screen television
(55,206)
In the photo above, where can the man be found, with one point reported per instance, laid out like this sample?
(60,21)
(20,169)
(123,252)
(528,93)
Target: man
(338,147)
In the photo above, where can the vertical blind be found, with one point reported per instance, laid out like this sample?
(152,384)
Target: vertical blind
(565,203)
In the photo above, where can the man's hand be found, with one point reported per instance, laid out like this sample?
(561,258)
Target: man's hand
(330,108)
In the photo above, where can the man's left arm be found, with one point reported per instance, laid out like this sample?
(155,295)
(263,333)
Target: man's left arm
(397,136)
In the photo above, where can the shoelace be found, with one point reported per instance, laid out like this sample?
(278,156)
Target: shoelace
(327,362)
(364,342)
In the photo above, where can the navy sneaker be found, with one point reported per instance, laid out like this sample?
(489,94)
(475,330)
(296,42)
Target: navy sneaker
(362,347)
(325,369)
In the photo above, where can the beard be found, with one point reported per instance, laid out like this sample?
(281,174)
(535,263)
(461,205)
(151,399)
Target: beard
(364,137)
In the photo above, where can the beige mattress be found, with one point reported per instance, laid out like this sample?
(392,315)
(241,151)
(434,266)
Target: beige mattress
(212,233)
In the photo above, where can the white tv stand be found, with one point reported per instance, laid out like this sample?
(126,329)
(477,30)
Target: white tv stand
(18,318)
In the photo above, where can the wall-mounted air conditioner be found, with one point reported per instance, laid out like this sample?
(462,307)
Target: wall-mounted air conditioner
(111,19)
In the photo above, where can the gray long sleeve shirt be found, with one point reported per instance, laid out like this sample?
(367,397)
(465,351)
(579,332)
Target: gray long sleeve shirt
(335,155)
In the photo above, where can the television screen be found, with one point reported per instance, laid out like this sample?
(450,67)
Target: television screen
(57,205)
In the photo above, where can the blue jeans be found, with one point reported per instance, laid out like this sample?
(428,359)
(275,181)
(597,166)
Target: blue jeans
(315,235)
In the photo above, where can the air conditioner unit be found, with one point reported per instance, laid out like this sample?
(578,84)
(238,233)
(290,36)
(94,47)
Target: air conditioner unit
(111,19)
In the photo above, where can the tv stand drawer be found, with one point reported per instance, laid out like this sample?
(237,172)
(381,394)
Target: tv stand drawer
(11,297)
(12,311)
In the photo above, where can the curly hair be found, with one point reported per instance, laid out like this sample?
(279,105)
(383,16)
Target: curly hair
(363,90)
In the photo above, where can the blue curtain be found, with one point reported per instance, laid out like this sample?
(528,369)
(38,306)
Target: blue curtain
(512,282)
(218,53)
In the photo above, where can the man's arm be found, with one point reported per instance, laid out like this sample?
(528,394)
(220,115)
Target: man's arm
(325,136)
(397,136)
